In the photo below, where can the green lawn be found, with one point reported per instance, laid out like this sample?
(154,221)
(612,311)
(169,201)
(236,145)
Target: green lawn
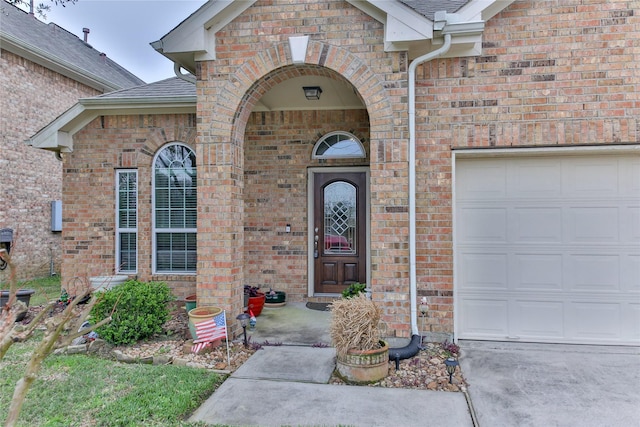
(83,390)
(47,288)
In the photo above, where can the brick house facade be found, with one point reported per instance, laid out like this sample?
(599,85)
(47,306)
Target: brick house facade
(525,91)
(35,88)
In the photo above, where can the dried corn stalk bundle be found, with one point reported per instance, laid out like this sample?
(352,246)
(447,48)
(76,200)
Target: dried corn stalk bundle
(354,324)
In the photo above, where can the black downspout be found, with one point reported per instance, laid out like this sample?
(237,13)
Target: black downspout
(405,352)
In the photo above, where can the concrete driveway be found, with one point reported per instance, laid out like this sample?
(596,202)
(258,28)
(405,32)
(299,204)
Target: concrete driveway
(522,384)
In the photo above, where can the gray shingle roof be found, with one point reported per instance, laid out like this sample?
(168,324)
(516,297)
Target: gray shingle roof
(171,87)
(428,8)
(61,46)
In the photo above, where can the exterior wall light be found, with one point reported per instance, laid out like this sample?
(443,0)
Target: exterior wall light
(312,93)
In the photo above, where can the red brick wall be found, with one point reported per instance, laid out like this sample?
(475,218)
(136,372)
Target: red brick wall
(551,73)
(31,96)
(109,143)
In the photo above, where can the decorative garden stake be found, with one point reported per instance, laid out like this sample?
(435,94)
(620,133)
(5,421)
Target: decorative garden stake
(451,366)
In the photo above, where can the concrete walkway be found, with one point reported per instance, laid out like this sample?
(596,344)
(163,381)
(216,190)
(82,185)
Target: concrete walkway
(287,386)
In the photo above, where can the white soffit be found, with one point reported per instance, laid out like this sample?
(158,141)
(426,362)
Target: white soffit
(196,34)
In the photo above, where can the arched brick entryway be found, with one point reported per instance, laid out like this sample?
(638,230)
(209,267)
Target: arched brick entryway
(225,105)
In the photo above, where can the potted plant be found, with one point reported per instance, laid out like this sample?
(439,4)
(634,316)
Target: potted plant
(362,356)
(275,298)
(256,299)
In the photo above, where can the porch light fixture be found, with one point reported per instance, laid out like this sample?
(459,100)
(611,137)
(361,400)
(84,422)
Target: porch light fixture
(243,318)
(451,364)
(312,93)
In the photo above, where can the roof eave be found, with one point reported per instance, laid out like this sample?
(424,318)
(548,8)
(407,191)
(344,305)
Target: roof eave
(58,135)
(43,58)
(194,39)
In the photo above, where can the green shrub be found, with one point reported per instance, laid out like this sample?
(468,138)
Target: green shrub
(140,311)
(354,289)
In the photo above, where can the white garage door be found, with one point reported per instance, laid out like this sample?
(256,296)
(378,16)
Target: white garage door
(548,248)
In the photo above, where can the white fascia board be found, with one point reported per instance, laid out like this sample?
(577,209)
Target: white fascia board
(58,135)
(401,24)
(196,34)
(482,10)
(53,63)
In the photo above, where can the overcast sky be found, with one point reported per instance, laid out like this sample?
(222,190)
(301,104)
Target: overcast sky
(123,29)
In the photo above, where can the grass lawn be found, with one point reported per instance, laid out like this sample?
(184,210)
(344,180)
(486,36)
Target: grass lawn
(47,288)
(83,390)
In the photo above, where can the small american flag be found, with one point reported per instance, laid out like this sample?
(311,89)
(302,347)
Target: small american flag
(209,331)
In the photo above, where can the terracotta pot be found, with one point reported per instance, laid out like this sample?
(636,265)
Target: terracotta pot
(256,304)
(200,314)
(364,366)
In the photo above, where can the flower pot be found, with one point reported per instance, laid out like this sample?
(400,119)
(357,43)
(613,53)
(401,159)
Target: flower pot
(190,302)
(103,283)
(256,304)
(364,366)
(200,314)
(23,295)
(278,299)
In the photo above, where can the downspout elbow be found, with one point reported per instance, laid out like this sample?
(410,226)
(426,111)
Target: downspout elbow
(188,77)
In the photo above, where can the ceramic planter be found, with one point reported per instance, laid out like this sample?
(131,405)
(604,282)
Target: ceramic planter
(275,300)
(256,304)
(364,366)
(23,295)
(200,314)
(190,302)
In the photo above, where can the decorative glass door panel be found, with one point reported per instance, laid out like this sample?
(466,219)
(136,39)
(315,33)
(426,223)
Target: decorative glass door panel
(340,213)
(339,231)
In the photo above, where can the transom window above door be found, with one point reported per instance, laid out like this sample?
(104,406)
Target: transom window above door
(339,145)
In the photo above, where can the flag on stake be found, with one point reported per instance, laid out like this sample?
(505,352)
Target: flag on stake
(209,331)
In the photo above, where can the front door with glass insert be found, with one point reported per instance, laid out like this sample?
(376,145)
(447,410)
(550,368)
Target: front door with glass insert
(339,227)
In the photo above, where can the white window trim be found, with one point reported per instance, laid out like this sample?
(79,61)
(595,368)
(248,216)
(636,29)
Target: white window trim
(154,230)
(120,230)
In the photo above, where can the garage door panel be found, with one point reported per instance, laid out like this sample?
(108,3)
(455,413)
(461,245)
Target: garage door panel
(630,178)
(593,273)
(536,272)
(631,270)
(493,183)
(594,321)
(534,179)
(484,271)
(591,177)
(593,224)
(485,318)
(535,224)
(484,225)
(561,247)
(632,224)
(541,319)
(631,322)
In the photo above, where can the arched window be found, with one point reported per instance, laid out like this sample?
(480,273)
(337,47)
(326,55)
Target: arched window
(338,145)
(174,210)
